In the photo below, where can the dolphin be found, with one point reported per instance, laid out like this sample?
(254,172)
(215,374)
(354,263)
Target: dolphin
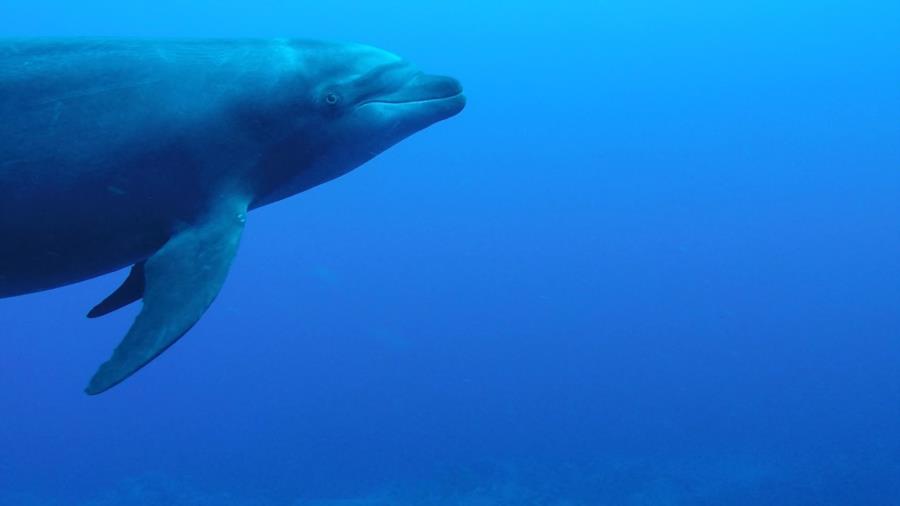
(151,153)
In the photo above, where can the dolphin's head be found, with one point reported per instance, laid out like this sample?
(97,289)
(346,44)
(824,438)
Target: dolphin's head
(355,102)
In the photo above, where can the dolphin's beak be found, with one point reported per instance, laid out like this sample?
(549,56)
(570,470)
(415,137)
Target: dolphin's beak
(418,101)
(424,88)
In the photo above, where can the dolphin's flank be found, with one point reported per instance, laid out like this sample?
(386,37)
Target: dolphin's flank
(150,154)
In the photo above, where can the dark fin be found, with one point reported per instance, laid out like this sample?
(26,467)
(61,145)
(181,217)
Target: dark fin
(131,290)
(182,280)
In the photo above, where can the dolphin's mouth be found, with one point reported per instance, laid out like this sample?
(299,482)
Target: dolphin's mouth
(387,101)
(422,89)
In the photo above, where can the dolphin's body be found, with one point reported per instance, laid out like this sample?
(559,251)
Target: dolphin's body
(150,153)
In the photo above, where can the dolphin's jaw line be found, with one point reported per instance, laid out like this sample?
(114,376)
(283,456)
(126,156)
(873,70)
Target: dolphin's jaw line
(459,95)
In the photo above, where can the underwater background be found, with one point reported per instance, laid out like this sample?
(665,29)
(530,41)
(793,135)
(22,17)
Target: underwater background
(654,262)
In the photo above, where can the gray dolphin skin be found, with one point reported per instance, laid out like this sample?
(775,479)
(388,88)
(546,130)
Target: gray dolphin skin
(150,153)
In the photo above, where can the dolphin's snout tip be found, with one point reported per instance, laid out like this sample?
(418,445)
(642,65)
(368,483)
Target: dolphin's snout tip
(455,86)
(452,91)
(451,85)
(461,101)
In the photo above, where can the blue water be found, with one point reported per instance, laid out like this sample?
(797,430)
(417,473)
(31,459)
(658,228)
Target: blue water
(654,262)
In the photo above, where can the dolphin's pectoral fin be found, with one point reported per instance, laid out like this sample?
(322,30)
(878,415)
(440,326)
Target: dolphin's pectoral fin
(131,290)
(182,279)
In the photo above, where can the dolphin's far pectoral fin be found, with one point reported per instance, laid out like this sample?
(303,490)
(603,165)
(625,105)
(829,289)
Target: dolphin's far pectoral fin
(131,290)
(182,280)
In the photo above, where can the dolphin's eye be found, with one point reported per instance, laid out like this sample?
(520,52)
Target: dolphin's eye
(332,98)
